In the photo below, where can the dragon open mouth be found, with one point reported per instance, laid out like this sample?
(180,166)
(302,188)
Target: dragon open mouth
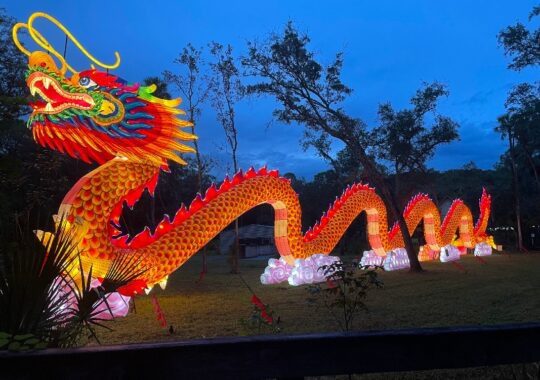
(55,98)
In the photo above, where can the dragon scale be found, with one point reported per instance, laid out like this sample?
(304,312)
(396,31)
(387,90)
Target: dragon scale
(97,198)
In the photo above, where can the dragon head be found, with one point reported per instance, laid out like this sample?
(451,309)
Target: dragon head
(95,116)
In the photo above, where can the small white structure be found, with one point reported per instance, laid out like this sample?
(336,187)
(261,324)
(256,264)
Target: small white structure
(371,259)
(396,259)
(482,249)
(304,271)
(255,240)
(449,253)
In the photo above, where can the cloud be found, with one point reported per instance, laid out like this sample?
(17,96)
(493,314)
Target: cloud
(479,143)
(485,97)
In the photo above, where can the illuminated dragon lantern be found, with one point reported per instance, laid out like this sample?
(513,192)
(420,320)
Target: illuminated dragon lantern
(97,117)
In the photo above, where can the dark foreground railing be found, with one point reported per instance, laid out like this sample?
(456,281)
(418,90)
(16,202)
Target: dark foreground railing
(286,356)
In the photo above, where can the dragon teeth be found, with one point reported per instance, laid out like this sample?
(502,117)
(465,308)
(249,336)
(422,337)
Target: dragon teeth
(46,82)
(33,90)
(163,282)
(49,107)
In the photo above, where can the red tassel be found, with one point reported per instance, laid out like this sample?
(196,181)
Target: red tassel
(481,259)
(160,316)
(331,283)
(257,302)
(459,266)
(201,276)
(262,307)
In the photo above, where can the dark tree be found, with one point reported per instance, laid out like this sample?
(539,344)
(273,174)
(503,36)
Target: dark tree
(507,129)
(522,44)
(523,105)
(520,127)
(227,90)
(404,141)
(162,90)
(13,90)
(312,95)
(520,124)
(348,167)
(195,88)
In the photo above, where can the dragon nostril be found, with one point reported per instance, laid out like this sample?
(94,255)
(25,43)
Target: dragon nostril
(43,64)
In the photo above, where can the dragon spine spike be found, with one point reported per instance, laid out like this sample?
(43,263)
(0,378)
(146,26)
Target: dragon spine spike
(250,173)
(485,206)
(334,209)
(273,173)
(211,193)
(451,211)
(183,213)
(394,230)
(414,201)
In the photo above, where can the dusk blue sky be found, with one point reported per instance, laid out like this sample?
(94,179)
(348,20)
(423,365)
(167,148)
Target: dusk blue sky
(390,48)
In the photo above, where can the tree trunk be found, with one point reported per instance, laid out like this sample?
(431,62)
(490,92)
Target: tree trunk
(236,252)
(517,205)
(391,202)
(396,179)
(533,166)
(199,186)
(407,239)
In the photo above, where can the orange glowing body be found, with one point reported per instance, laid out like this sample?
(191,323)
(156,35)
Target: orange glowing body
(96,200)
(96,116)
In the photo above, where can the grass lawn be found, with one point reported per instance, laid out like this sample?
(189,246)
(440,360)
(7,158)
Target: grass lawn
(504,290)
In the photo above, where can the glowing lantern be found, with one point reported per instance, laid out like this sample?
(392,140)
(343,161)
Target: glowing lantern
(482,249)
(396,259)
(371,259)
(95,116)
(450,253)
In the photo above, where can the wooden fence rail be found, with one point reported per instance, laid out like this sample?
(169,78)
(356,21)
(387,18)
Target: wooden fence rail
(286,356)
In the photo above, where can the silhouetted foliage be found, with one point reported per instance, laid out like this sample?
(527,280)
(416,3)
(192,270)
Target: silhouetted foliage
(13,91)
(312,95)
(404,141)
(162,90)
(227,90)
(522,44)
(345,291)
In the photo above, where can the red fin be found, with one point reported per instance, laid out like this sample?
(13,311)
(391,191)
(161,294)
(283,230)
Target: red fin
(132,288)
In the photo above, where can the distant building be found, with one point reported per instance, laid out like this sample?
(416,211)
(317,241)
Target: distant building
(255,240)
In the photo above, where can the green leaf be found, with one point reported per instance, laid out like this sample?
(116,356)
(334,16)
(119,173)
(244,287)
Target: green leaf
(41,345)
(22,337)
(32,341)
(14,346)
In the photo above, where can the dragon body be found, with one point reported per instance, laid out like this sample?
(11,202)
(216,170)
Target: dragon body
(97,117)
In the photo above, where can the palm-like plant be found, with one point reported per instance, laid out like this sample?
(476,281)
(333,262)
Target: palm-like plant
(124,269)
(31,282)
(41,299)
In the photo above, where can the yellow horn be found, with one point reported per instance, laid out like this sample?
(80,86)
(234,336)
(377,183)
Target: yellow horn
(14,34)
(41,41)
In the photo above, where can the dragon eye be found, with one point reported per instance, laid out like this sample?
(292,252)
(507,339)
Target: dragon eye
(86,82)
